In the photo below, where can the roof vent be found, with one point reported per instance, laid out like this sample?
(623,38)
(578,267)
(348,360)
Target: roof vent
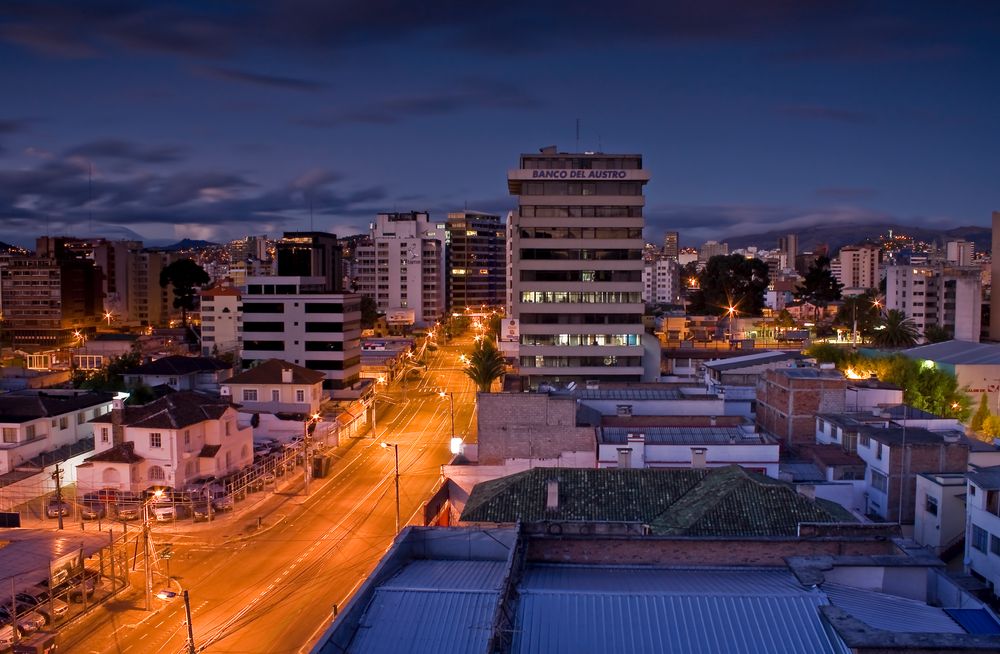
(286,375)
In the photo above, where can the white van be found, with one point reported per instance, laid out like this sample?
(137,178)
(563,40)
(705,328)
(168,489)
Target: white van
(165,514)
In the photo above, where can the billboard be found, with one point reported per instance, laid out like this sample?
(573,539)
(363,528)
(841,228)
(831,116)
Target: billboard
(510,330)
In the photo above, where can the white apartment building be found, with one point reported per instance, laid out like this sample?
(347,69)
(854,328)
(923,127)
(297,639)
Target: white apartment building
(982,542)
(402,267)
(221,317)
(33,422)
(947,296)
(575,247)
(297,320)
(960,253)
(712,249)
(856,267)
(660,281)
(165,443)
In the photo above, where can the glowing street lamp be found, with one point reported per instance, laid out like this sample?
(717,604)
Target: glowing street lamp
(107,316)
(395,448)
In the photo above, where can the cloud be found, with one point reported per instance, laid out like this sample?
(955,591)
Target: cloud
(826,113)
(846,193)
(260,79)
(14,125)
(121,150)
(468,93)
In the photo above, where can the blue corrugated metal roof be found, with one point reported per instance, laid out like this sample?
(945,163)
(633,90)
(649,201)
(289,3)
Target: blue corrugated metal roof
(975,621)
(449,575)
(891,612)
(425,622)
(582,609)
(579,623)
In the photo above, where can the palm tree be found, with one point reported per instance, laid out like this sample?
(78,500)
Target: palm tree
(485,365)
(896,331)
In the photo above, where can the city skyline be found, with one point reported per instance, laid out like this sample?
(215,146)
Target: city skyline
(184,121)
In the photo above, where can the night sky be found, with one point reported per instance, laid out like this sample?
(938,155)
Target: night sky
(214,120)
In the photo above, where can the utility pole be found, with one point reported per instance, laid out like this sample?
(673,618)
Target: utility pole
(187,613)
(57,476)
(395,447)
(145,556)
(306,463)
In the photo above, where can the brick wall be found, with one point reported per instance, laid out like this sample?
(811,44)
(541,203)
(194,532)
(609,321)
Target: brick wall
(787,406)
(651,550)
(920,458)
(529,426)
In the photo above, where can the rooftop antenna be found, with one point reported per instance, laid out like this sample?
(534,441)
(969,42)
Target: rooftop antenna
(577,135)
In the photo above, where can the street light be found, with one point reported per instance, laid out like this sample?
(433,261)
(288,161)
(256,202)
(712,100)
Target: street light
(395,448)
(306,467)
(380,380)
(451,399)
(147,545)
(107,316)
(731,311)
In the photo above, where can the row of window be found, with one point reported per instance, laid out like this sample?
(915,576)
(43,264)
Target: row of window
(250,395)
(568,254)
(581,232)
(579,211)
(982,538)
(582,163)
(580,339)
(581,188)
(573,362)
(580,319)
(581,297)
(309,307)
(581,275)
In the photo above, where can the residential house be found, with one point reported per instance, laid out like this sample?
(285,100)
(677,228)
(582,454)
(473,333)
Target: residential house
(181,373)
(939,516)
(37,421)
(276,386)
(166,443)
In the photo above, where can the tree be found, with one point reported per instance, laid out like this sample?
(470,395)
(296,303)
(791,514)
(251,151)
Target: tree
(184,275)
(982,413)
(991,427)
(110,377)
(731,281)
(936,334)
(863,308)
(896,331)
(369,312)
(486,365)
(819,287)
(784,320)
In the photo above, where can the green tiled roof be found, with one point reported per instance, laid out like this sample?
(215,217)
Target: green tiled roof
(726,501)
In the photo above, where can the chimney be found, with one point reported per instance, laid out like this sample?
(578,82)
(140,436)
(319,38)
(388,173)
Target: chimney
(624,457)
(552,495)
(117,419)
(286,375)
(712,420)
(698,457)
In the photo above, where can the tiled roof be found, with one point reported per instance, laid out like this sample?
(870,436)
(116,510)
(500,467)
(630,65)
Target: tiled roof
(121,453)
(269,372)
(174,411)
(726,501)
(180,365)
(24,406)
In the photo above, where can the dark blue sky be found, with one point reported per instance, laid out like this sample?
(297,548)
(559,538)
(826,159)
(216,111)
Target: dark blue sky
(212,120)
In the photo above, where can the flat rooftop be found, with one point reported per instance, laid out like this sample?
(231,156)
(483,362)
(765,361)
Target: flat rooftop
(682,435)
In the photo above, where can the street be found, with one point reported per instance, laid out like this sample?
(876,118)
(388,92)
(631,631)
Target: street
(276,591)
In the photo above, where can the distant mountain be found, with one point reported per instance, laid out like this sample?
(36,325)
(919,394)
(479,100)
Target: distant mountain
(6,247)
(188,244)
(837,236)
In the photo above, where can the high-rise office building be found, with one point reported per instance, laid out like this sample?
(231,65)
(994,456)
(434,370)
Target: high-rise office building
(712,249)
(476,267)
(960,253)
(402,268)
(789,246)
(670,245)
(660,281)
(311,254)
(575,248)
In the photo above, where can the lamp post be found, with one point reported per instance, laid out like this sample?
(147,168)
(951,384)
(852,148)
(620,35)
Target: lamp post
(395,448)
(731,311)
(380,380)
(451,399)
(306,467)
(107,316)
(146,546)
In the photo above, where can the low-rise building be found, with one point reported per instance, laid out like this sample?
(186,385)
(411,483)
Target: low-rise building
(221,320)
(275,386)
(976,366)
(37,421)
(165,443)
(982,541)
(939,517)
(789,399)
(181,373)
(738,376)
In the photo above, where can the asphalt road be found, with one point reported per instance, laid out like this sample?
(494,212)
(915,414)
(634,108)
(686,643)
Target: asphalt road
(275,591)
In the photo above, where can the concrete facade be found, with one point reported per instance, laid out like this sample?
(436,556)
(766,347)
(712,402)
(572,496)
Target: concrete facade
(221,320)
(530,426)
(660,282)
(946,296)
(789,399)
(575,261)
(476,270)
(858,267)
(939,517)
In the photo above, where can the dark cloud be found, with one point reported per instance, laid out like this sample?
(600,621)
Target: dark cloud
(467,94)
(14,125)
(826,113)
(260,79)
(121,150)
(846,193)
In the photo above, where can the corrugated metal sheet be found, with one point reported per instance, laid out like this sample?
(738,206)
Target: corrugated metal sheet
(682,435)
(580,623)
(975,621)
(431,622)
(890,612)
(636,580)
(449,575)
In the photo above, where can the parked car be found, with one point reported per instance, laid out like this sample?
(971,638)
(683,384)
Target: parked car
(201,511)
(6,637)
(105,495)
(164,513)
(55,508)
(129,511)
(27,622)
(88,583)
(92,511)
(223,503)
(51,609)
